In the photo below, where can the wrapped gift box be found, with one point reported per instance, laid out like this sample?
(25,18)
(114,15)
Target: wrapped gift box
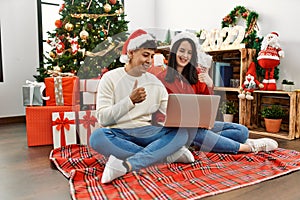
(89,85)
(39,123)
(89,98)
(62,91)
(33,93)
(87,124)
(63,128)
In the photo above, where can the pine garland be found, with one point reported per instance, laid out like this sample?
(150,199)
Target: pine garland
(251,19)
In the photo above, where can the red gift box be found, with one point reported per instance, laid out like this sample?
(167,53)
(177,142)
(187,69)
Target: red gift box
(39,123)
(63,91)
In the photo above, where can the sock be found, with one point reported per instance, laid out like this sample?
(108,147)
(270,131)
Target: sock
(126,166)
(183,155)
(114,168)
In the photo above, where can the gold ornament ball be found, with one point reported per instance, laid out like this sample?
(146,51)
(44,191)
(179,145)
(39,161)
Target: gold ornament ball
(52,54)
(69,26)
(84,35)
(107,8)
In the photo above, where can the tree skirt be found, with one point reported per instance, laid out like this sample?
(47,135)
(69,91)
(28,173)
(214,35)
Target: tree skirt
(210,174)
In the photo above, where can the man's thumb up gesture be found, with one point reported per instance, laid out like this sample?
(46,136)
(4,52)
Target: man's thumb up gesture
(138,94)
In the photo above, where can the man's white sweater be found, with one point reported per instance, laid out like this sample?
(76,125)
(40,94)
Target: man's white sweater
(114,106)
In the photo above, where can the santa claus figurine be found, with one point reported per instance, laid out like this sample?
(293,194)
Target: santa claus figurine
(269,58)
(250,83)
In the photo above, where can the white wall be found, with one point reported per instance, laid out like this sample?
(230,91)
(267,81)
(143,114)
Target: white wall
(19,52)
(20,35)
(274,15)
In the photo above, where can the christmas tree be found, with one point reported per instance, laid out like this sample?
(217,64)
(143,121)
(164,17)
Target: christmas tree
(87,40)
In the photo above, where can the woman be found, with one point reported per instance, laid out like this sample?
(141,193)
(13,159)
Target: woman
(183,76)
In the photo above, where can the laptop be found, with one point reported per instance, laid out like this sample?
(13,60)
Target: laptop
(192,110)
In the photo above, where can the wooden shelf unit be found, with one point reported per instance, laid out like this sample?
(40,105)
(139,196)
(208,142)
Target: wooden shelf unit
(288,100)
(239,59)
(249,111)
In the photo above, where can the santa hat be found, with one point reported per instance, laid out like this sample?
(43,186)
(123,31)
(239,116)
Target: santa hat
(158,60)
(133,42)
(275,33)
(252,70)
(204,59)
(186,35)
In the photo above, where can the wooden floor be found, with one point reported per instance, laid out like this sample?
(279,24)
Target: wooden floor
(25,173)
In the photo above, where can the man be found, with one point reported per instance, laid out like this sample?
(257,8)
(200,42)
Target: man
(127,98)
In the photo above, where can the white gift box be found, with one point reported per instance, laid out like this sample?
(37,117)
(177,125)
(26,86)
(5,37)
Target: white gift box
(89,85)
(63,128)
(33,93)
(89,98)
(87,124)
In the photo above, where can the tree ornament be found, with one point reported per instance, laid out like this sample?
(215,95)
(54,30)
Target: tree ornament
(107,8)
(74,45)
(60,47)
(62,7)
(90,26)
(58,23)
(113,2)
(103,33)
(52,54)
(84,35)
(69,27)
(57,69)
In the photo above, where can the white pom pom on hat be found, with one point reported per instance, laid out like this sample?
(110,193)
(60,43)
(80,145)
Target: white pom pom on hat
(133,42)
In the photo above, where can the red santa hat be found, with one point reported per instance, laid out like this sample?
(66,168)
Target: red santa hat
(133,42)
(252,70)
(275,33)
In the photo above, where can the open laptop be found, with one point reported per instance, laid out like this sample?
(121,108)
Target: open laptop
(192,110)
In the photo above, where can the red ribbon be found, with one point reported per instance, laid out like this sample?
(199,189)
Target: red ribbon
(88,121)
(61,124)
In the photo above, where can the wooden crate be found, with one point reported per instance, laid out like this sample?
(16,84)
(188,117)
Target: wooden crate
(251,113)
(228,96)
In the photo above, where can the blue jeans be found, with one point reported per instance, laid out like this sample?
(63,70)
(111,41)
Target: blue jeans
(224,137)
(141,146)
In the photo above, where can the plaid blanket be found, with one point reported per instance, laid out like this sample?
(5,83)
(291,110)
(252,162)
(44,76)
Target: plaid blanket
(210,174)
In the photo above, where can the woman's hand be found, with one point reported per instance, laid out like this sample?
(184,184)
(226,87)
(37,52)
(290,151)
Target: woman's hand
(205,78)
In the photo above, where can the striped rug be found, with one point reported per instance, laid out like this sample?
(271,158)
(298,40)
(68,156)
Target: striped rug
(210,174)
